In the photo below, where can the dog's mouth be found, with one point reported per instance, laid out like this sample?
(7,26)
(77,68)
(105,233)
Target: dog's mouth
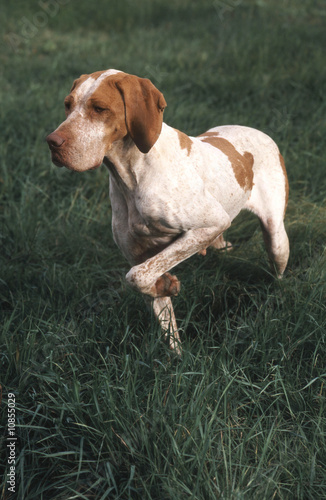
(57,163)
(60,162)
(56,159)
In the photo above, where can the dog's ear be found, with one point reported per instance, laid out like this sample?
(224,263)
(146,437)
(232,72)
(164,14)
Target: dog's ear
(144,106)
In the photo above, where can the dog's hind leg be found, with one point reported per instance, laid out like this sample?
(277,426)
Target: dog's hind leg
(277,244)
(268,200)
(275,237)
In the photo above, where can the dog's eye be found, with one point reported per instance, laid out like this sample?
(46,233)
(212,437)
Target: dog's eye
(99,109)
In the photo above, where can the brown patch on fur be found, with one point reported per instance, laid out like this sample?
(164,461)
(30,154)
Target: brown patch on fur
(241,164)
(108,97)
(167,285)
(185,141)
(286,182)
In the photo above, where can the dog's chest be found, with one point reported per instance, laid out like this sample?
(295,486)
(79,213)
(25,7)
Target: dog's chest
(138,215)
(149,218)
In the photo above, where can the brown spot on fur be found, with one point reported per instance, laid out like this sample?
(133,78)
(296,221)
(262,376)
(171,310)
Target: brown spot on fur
(241,164)
(167,285)
(286,182)
(185,141)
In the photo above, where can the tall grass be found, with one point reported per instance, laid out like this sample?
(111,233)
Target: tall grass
(102,408)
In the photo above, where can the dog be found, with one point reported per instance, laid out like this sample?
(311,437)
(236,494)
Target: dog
(172,195)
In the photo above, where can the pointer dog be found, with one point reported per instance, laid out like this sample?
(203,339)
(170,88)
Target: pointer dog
(172,195)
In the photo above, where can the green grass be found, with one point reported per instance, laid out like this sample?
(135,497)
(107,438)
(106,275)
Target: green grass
(103,410)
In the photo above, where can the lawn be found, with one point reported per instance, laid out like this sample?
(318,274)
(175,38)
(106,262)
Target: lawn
(98,406)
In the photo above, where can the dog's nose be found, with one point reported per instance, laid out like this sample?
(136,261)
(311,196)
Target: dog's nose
(55,140)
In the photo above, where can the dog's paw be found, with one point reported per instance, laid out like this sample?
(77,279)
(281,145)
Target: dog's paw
(167,285)
(220,244)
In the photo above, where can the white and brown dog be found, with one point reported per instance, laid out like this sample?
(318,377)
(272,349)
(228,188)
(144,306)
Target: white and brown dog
(172,195)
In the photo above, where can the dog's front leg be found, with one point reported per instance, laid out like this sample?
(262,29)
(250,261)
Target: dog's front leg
(163,311)
(152,278)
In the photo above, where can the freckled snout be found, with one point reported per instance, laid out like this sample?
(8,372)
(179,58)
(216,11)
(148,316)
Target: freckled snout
(54,140)
(73,151)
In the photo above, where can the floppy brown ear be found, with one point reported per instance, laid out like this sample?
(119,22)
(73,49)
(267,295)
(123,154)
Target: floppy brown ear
(144,106)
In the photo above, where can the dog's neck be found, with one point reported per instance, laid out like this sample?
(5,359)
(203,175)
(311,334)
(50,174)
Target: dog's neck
(121,159)
(126,163)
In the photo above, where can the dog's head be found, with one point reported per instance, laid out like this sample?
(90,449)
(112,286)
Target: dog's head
(102,108)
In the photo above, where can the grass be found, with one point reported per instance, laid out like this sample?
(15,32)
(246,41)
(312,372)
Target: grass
(103,410)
